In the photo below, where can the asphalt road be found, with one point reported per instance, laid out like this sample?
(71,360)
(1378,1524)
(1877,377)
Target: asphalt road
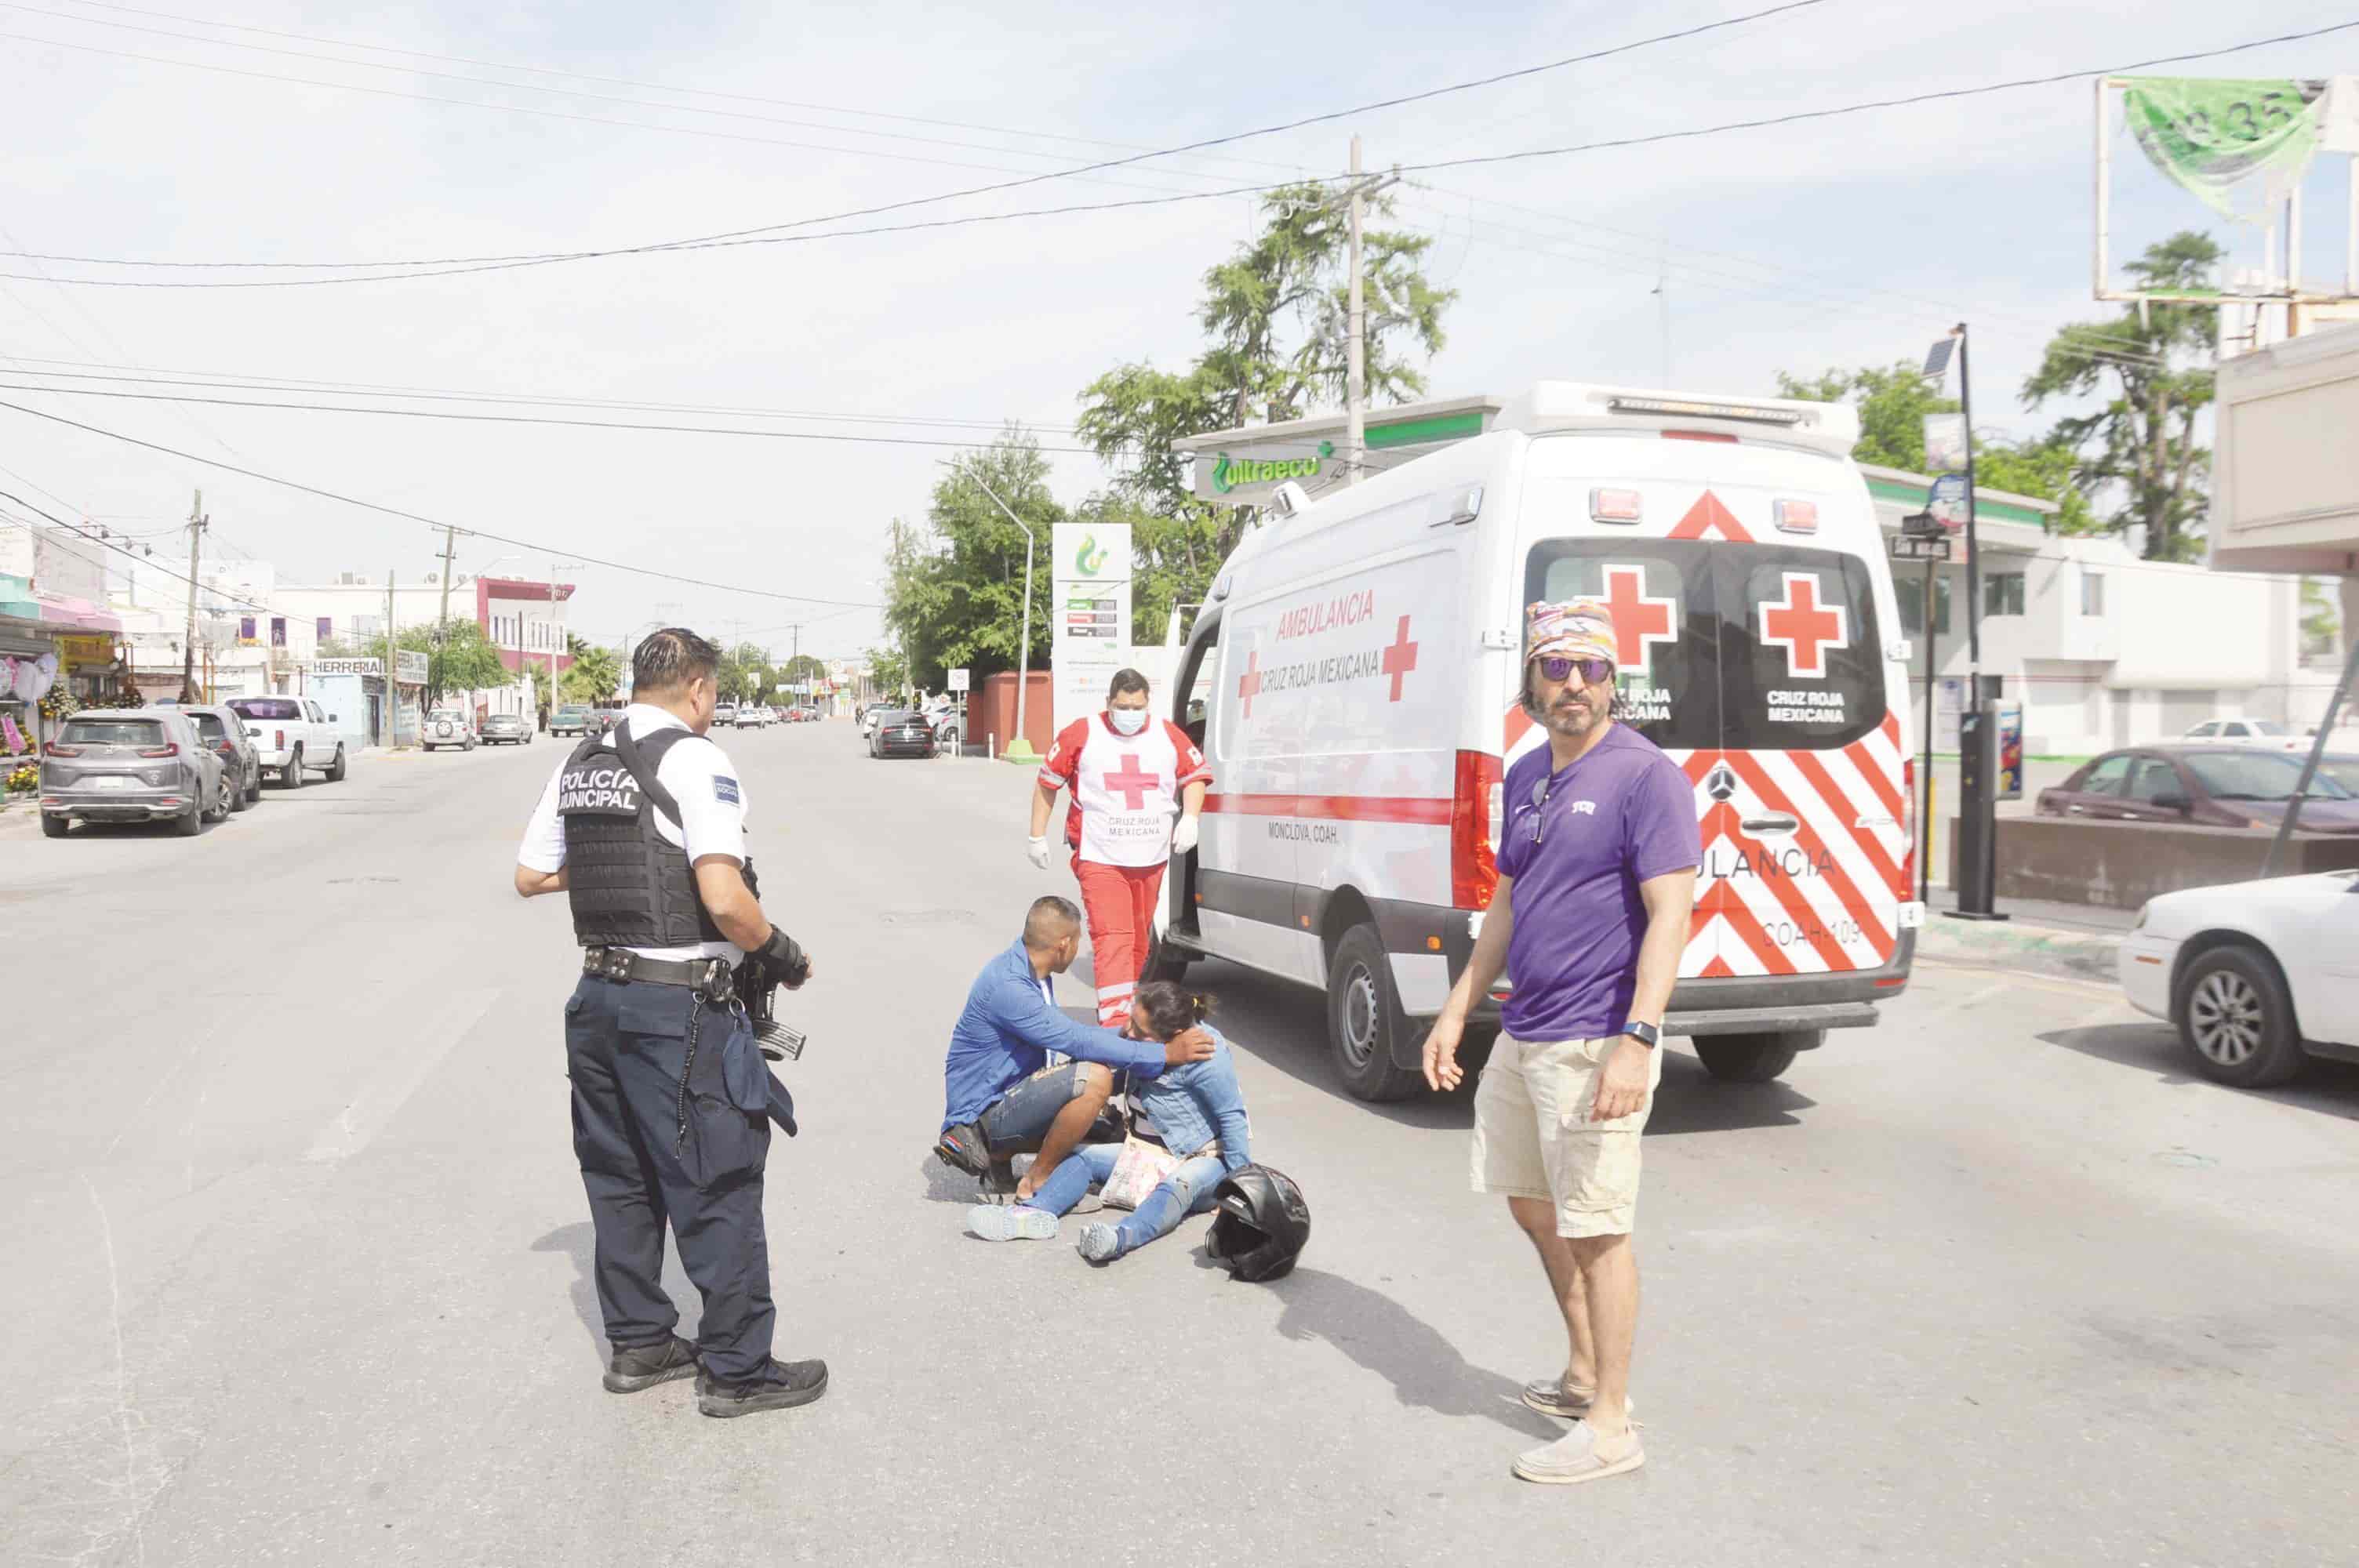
(298,1254)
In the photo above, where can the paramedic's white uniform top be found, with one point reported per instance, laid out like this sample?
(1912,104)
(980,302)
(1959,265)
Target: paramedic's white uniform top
(711,805)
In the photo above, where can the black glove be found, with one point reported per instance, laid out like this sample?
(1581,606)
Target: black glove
(784,959)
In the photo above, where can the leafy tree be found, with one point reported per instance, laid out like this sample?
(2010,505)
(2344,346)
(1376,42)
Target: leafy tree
(888,669)
(596,672)
(1893,403)
(954,587)
(2152,368)
(459,656)
(2319,621)
(1275,316)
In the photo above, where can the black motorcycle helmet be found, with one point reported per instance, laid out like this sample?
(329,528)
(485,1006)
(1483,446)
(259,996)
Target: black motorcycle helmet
(1261,1225)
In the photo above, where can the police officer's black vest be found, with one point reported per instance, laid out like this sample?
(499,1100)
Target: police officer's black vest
(628,885)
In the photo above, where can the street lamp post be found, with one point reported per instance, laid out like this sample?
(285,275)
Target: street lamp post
(1019,745)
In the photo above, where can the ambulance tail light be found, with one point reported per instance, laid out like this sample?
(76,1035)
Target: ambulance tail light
(1474,819)
(1797,516)
(1699,436)
(1616,506)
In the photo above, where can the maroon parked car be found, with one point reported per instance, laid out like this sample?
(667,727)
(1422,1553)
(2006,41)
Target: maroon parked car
(2209,786)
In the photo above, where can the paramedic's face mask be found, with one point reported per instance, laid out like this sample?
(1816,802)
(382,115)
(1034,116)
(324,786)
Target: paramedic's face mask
(1572,707)
(1128,712)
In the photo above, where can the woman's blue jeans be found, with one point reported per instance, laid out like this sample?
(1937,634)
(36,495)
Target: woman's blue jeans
(1187,1190)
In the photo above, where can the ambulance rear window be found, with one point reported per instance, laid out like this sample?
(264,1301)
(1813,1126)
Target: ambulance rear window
(1803,669)
(1730,646)
(1661,594)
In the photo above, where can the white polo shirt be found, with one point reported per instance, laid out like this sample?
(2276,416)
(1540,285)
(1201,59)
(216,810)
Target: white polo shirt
(711,805)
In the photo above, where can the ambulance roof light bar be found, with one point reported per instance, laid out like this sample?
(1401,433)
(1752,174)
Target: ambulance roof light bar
(1550,406)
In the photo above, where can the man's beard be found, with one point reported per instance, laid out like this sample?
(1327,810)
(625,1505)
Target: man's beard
(1573,722)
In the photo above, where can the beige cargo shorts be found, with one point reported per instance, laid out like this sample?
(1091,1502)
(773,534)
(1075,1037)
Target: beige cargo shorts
(1533,1138)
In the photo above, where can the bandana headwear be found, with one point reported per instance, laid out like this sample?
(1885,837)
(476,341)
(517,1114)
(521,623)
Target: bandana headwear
(1571,629)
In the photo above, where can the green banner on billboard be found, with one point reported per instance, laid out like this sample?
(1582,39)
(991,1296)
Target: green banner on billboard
(2211,135)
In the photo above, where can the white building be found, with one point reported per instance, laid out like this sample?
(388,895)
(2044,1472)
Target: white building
(2100,647)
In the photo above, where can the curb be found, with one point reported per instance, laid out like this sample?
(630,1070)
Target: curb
(2014,946)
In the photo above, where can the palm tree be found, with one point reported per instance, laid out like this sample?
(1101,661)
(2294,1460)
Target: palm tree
(595,674)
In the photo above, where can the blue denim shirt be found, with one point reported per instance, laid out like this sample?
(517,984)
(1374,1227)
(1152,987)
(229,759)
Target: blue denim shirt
(1194,1103)
(1007,1030)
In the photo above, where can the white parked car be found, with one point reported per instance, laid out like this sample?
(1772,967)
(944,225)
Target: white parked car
(292,735)
(447,727)
(2257,976)
(755,718)
(2258,732)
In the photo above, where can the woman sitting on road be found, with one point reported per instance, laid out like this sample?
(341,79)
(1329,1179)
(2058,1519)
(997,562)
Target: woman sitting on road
(1194,1110)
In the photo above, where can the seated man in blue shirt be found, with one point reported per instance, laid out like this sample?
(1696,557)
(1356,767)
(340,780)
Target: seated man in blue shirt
(1000,1098)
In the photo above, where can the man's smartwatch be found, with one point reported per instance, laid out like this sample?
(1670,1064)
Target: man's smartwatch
(1646,1034)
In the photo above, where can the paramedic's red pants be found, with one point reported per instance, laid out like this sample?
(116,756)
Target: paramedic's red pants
(1120,903)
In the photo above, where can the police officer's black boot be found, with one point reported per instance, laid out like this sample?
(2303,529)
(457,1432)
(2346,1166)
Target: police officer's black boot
(644,1366)
(780,1385)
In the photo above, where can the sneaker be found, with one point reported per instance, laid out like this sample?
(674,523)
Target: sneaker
(1554,1396)
(1577,1456)
(781,1385)
(1099,1243)
(1012,1223)
(644,1366)
(962,1149)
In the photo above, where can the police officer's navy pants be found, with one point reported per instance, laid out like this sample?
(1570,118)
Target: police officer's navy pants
(626,1048)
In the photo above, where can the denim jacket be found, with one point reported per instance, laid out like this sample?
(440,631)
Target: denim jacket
(1191,1105)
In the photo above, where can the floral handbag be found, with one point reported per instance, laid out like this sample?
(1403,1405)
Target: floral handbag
(1138,1170)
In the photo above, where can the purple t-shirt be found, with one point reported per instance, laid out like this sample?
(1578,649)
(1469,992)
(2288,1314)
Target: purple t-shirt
(1622,814)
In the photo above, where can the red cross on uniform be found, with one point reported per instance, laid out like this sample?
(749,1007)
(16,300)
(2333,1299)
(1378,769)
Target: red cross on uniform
(1638,622)
(1132,781)
(1249,683)
(1399,658)
(1804,627)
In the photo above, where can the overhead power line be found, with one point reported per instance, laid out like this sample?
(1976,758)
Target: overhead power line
(567,550)
(148,562)
(236,381)
(706,240)
(1799,115)
(529,419)
(627,82)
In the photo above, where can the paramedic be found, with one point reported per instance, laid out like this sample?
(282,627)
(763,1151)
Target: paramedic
(1597,869)
(1129,773)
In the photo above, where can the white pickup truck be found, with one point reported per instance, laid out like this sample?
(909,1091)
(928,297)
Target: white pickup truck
(291,734)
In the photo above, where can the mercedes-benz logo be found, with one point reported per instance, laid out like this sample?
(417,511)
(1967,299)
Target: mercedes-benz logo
(1719,784)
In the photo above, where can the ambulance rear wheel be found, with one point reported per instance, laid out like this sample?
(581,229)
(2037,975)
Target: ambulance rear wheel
(1752,1058)
(1365,1022)
(1166,960)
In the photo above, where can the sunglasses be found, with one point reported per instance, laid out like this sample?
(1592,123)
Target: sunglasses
(1557,668)
(1536,825)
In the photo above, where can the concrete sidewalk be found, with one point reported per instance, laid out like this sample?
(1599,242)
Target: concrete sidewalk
(2068,940)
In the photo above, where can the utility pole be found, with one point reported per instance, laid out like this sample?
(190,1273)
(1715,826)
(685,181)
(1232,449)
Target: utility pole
(442,616)
(197,522)
(1356,346)
(1019,747)
(392,663)
(552,641)
(1355,349)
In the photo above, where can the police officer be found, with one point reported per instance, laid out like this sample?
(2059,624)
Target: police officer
(643,828)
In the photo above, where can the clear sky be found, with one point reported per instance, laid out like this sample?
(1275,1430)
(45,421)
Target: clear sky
(1843,241)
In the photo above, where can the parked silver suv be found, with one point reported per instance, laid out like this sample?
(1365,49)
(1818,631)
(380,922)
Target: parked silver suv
(140,764)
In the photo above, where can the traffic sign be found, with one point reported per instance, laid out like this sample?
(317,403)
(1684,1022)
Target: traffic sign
(1917,547)
(957,680)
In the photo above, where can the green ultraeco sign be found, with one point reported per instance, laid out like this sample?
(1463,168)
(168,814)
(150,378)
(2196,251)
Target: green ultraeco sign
(1229,473)
(2212,136)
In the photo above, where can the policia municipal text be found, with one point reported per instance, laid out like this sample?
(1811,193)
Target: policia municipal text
(643,831)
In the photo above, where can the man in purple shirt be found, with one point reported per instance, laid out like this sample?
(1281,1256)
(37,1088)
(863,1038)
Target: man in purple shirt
(1597,869)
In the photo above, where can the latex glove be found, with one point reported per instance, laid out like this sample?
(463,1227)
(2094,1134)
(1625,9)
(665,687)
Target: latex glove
(1039,850)
(1183,837)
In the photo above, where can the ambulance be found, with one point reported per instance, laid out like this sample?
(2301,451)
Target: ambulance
(1365,649)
